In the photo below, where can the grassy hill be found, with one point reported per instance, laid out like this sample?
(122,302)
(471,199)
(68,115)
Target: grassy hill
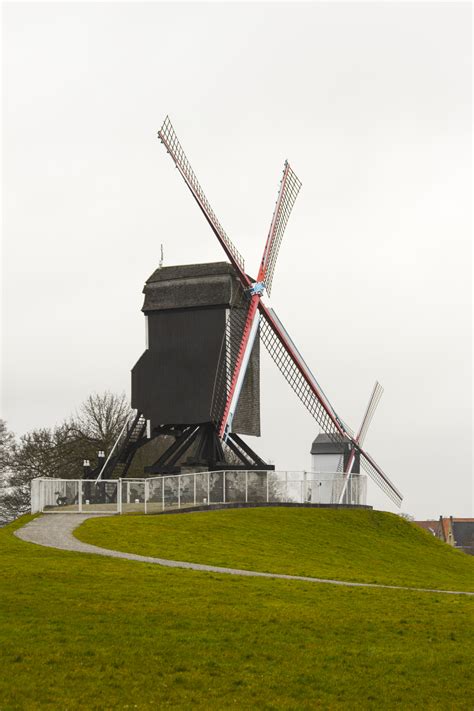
(357,545)
(88,632)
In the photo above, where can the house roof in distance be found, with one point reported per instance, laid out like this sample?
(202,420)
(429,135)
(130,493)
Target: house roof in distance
(430,526)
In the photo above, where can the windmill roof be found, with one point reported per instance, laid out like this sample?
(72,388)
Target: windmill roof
(192,286)
(189,271)
(324,444)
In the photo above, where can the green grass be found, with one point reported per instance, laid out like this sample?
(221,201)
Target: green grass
(357,545)
(89,632)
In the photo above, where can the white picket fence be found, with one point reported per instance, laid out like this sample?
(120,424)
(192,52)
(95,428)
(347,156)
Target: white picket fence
(156,494)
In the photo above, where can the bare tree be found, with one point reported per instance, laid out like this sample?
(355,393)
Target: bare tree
(59,451)
(7,442)
(40,453)
(100,419)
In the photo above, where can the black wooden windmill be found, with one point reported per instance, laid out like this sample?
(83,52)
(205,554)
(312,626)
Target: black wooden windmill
(197,382)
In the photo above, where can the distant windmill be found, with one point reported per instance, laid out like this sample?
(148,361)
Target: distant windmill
(336,462)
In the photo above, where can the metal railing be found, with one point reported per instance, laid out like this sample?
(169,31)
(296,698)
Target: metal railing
(178,491)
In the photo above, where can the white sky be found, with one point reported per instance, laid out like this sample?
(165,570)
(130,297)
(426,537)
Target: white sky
(370,103)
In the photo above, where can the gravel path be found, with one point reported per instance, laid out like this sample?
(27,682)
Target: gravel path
(55,531)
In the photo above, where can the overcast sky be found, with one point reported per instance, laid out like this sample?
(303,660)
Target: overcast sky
(370,103)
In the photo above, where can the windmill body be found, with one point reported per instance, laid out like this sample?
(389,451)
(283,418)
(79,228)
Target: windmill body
(174,381)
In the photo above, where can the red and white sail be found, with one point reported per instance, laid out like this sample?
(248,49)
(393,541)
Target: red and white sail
(287,194)
(360,437)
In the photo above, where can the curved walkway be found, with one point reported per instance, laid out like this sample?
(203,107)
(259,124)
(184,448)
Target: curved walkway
(55,531)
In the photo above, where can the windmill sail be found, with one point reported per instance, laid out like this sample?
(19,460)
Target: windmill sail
(380,478)
(369,413)
(231,341)
(289,188)
(291,364)
(297,373)
(242,359)
(168,137)
(366,420)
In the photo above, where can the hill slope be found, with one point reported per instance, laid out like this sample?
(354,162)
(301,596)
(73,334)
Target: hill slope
(89,632)
(359,545)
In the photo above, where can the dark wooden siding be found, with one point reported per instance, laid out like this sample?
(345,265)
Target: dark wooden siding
(173,381)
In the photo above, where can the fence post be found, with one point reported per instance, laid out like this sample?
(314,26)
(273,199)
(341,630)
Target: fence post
(146,492)
(223,487)
(267,486)
(208,489)
(119,496)
(179,491)
(128,492)
(79,495)
(246,486)
(195,475)
(163,493)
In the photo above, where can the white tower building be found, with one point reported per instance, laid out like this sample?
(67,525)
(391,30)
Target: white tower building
(328,461)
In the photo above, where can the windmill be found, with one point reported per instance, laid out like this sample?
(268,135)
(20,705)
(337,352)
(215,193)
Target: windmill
(335,464)
(261,319)
(244,321)
(360,437)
